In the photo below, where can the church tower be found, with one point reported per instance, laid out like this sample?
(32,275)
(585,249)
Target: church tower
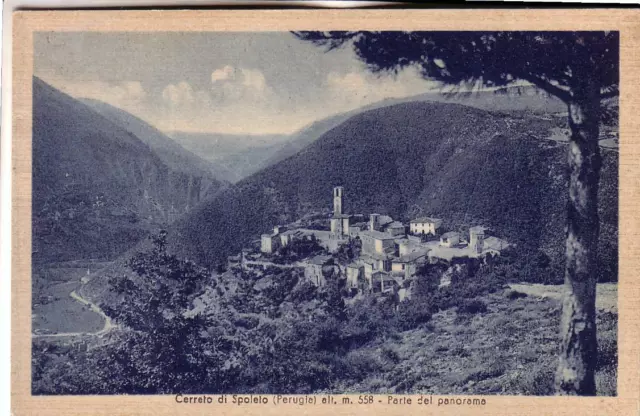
(337,200)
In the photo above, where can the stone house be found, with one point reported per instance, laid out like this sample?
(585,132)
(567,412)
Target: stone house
(450,239)
(355,274)
(407,265)
(356,229)
(425,226)
(395,228)
(316,268)
(376,242)
(382,282)
(269,243)
(234,261)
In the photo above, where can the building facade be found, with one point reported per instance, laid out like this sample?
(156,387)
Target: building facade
(425,226)
(315,268)
(476,239)
(340,221)
(269,243)
(355,274)
(376,242)
(450,239)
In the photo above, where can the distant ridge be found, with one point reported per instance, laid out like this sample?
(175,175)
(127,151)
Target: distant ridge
(465,165)
(243,156)
(170,152)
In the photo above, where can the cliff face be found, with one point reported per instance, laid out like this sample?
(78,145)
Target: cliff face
(98,188)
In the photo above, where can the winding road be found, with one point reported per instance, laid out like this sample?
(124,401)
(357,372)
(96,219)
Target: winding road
(108,325)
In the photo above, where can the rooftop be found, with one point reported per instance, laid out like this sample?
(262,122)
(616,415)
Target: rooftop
(384,220)
(396,224)
(375,256)
(413,256)
(378,235)
(477,229)
(320,260)
(341,216)
(451,234)
(379,275)
(426,219)
(293,232)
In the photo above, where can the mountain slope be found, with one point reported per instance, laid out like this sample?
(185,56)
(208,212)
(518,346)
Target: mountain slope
(235,156)
(171,153)
(97,188)
(504,100)
(242,156)
(462,164)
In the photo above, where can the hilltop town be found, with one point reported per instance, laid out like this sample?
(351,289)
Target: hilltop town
(382,254)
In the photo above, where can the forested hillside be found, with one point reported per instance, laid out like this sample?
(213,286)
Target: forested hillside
(176,157)
(98,188)
(459,163)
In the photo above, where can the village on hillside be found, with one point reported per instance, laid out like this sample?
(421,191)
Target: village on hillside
(384,254)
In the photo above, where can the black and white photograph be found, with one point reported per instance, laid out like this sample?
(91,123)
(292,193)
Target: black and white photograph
(340,212)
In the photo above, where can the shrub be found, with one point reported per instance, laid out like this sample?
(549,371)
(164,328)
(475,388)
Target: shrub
(358,365)
(514,294)
(303,292)
(493,370)
(410,315)
(390,355)
(248,322)
(459,351)
(537,383)
(472,306)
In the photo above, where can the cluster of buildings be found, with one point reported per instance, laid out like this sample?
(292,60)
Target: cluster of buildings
(391,252)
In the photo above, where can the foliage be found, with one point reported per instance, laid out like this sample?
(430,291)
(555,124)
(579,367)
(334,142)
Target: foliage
(299,249)
(255,340)
(411,315)
(581,69)
(548,60)
(472,306)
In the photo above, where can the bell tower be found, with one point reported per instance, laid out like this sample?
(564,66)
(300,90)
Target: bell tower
(337,200)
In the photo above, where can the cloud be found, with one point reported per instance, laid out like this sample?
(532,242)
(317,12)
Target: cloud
(358,88)
(222,74)
(230,85)
(128,95)
(178,95)
(240,100)
(253,78)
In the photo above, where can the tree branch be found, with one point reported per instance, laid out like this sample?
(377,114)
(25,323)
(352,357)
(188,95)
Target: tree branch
(614,92)
(547,86)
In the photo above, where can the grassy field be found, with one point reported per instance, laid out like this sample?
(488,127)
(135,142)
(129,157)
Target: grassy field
(510,349)
(54,311)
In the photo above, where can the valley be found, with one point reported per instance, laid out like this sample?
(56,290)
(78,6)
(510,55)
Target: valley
(104,262)
(58,310)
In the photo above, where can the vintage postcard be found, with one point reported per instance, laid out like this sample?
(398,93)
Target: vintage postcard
(269,212)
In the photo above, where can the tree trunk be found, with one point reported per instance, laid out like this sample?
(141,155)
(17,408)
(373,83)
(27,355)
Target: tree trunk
(578,355)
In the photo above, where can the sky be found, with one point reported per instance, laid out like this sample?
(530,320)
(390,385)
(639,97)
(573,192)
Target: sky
(235,83)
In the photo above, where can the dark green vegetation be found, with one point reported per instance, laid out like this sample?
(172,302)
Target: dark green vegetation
(97,187)
(459,163)
(269,331)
